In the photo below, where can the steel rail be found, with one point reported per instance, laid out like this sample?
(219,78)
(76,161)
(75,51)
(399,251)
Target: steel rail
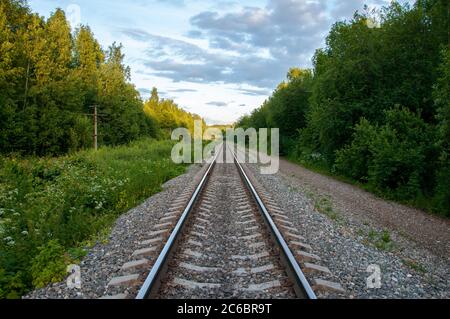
(303,288)
(154,278)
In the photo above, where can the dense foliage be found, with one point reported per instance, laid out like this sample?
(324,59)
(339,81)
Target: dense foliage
(168,115)
(50,79)
(50,208)
(376,106)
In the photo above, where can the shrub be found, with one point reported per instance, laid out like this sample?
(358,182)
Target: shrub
(49,265)
(50,207)
(12,285)
(442,197)
(441,96)
(396,159)
(401,151)
(354,160)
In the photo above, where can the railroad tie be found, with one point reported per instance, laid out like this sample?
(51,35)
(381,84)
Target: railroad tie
(304,256)
(295,236)
(325,285)
(194,285)
(252,228)
(168,218)
(151,242)
(135,264)
(301,245)
(264,286)
(196,268)
(115,297)
(127,280)
(313,268)
(195,243)
(145,252)
(161,226)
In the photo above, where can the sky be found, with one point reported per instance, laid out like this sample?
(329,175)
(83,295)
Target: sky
(217,58)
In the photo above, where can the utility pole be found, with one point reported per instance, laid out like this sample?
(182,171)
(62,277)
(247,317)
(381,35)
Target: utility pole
(26,86)
(95,127)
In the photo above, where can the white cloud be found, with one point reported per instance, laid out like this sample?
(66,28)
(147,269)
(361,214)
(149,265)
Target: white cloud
(203,51)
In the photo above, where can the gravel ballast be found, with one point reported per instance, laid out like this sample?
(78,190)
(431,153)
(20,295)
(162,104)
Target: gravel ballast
(225,252)
(348,228)
(105,260)
(349,242)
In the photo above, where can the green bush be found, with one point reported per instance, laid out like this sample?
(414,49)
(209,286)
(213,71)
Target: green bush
(353,160)
(12,284)
(49,265)
(401,153)
(49,207)
(441,96)
(344,118)
(442,197)
(396,159)
(395,167)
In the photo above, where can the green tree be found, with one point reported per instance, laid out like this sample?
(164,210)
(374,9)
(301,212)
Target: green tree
(123,116)
(51,78)
(88,57)
(364,71)
(442,99)
(168,115)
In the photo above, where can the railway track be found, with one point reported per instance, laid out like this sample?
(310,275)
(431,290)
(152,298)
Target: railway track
(223,239)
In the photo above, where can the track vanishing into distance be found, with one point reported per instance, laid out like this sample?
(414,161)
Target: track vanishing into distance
(225,239)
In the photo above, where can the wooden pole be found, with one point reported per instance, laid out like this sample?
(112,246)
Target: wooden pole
(95,128)
(26,86)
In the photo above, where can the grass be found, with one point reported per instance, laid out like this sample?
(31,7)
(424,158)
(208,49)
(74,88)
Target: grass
(421,202)
(414,265)
(51,209)
(324,170)
(380,239)
(324,206)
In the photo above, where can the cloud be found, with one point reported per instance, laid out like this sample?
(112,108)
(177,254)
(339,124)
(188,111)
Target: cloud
(218,104)
(176,3)
(214,121)
(249,45)
(183,61)
(194,34)
(286,28)
(182,90)
(256,45)
(144,91)
(254,92)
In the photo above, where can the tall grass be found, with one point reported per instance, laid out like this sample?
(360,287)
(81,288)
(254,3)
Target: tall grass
(50,207)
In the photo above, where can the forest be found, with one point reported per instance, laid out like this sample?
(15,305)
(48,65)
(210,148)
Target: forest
(58,196)
(52,76)
(375,107)
(373,110)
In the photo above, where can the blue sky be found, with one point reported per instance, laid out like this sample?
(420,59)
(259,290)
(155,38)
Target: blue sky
(219,59)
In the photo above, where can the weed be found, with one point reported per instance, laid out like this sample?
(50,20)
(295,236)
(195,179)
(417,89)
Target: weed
(381,240)
(51,208)
(414,265)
